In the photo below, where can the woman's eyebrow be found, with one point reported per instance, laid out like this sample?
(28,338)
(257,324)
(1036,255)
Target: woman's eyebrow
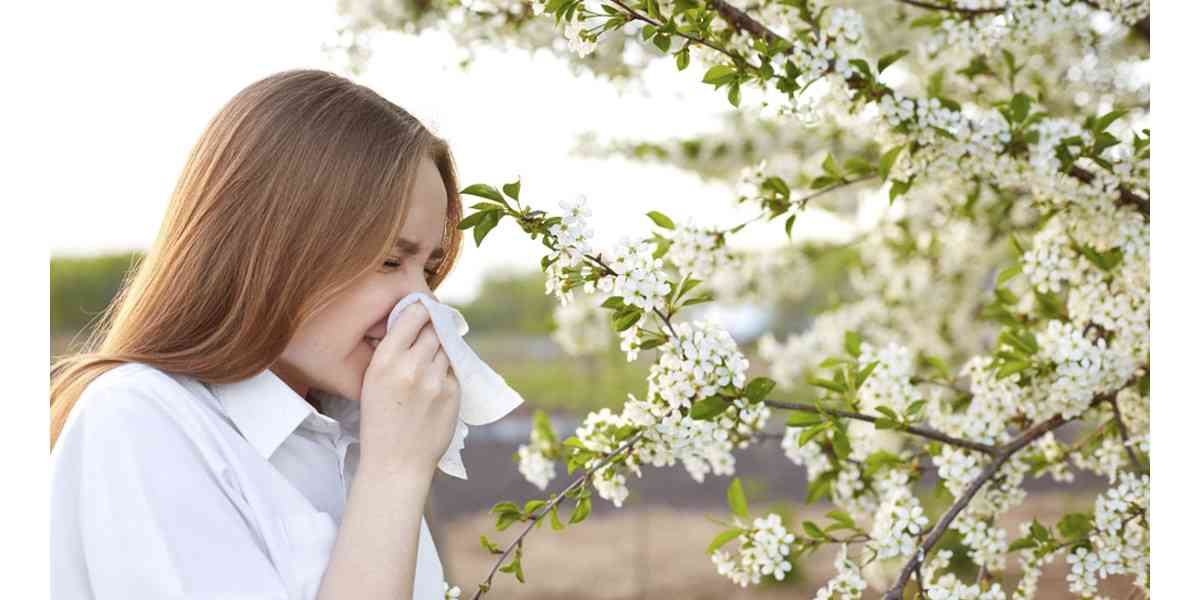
(411,248)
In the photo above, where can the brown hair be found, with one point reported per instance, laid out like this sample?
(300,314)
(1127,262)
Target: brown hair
(298,186)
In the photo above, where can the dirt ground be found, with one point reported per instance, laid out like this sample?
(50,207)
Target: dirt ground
(658,552)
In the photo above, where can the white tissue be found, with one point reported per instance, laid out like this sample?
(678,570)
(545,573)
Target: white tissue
(485,395)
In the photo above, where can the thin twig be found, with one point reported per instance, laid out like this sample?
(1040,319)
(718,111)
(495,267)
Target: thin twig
(914,430)
(803,202)
(487,585)
(1133,457)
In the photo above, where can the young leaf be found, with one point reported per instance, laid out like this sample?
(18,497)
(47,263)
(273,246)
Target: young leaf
(758,388)
(721,539)
(708,408)
(804,419)
(887,160)
(483,190)
(661,220)
(583,508)
(737,499)
(513,190)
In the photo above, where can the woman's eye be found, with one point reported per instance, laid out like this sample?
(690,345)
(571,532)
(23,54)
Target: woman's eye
(391,263)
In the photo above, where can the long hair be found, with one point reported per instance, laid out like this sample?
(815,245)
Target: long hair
(299,185)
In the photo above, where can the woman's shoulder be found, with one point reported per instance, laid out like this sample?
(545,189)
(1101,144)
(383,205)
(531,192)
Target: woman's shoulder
(138,397)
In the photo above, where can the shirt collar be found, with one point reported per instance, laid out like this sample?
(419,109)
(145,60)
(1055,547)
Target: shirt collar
(266,411)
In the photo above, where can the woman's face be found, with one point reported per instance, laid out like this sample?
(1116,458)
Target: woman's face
(332,349)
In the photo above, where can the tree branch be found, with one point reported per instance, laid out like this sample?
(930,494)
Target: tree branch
(1127,196)
(734,16)
(1133,457)
(918,431)
(970,12)
(1027,437)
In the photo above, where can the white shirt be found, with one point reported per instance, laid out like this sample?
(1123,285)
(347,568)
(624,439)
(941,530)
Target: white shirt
(164,487)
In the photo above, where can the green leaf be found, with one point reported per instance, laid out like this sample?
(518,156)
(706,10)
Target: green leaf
(485,225)
(504,520)
(473,219)
(843,520)
(830,166)
(705,297)
(737,499)
(722,538)
(888,59)
(787,227)
(682,58)
(662,41)
(758,388)
(1074,525)
(613,302)
(832,386)
(812,432)
(813,530)
(708,408)
(720,75)
(513,190)
(489,546)
(888,159)
(804,419)
(661,220)
(622,321)
(533,505)
(937,363)
(1103,122)
(556,524)
(1019,107)
(852,342)
(1008,273)
(483,190)
(735,94)
(841,444)
(898,188)
(583,508)
(929,20)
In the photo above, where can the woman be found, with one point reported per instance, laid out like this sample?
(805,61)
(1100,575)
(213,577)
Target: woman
(204,444)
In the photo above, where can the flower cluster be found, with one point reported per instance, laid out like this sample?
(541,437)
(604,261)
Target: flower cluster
(899,520)
(848,584)
(1083,368)
(764,550)
(1120,542)
(695,364)
(697,252)
(534,459)
(599,433)
(572,237)
(639,280)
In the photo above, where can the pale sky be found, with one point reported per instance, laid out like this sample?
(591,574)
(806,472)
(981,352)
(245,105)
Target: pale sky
(147,78)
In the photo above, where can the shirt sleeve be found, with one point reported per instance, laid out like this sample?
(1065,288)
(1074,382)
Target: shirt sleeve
(145,514)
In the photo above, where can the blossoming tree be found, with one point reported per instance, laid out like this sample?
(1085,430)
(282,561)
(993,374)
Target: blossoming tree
(998,325)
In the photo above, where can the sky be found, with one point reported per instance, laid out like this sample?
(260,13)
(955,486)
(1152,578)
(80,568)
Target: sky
(154,74)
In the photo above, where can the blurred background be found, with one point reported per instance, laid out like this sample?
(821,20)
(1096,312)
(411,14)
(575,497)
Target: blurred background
(144,110)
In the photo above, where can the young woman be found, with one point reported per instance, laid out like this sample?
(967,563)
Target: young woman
(239,425)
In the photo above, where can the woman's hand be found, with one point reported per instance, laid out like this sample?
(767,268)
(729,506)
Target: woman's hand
(410,398)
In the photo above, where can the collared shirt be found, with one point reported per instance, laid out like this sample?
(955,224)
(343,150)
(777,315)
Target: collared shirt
(162,487)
